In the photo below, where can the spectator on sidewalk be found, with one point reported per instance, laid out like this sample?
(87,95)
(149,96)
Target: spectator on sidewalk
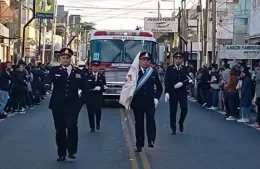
(257,96)
(214,85)
(246,95)
(19,90)
(5,82)
(232,95)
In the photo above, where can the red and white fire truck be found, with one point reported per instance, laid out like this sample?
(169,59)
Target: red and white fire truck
(116,50)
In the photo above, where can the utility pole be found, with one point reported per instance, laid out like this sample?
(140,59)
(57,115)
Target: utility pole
(199,10)
(40,40)
(53,37)
(214,29)
(205,38)
(159,6)
(43,34)
(19,43)
(184,32)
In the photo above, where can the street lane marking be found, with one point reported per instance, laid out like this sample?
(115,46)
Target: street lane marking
(144,159)
(127,135)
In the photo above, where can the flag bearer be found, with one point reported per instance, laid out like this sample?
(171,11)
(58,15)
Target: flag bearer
(145,100)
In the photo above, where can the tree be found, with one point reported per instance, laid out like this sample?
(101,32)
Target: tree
(88,26)
(60,29)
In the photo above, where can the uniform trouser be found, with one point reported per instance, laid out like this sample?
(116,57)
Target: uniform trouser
(94,110)
(139,114)
(258,110)
(66,140)
(174,100)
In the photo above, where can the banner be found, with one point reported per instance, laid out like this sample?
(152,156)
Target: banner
(45,9)
(239,52)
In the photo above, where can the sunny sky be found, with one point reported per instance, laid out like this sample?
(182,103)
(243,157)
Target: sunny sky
(119,18)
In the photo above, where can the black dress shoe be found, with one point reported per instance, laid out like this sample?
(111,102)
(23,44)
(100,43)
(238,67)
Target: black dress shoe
(61,158)
(92,130)
(181,128)
(72,156)
(151,145)
(138,149)
(98,127)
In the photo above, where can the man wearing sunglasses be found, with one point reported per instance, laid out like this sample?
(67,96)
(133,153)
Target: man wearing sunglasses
(65,104)
(176,82)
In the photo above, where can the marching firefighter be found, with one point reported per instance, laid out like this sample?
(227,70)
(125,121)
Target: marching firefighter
(176,81)
(145,101)
(95,84)
(65,104)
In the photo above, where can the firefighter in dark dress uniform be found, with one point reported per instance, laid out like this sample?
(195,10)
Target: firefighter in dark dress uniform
(176,81)
(144,103)
(95,83)
(65,104)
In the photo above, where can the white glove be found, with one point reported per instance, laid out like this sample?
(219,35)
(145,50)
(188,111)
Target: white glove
(79,93)
(190,81)
(178,85)
(166,97)
(156,102)
(97,88)
(105,87)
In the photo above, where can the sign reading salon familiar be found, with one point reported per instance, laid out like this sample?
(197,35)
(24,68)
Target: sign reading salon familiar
(161,24)
(241,52)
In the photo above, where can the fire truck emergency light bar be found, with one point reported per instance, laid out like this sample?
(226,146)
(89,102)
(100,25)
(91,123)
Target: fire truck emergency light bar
(137,33)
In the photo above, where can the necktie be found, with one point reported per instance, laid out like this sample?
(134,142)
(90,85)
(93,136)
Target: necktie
(95,76)
(144,71)
(66,71)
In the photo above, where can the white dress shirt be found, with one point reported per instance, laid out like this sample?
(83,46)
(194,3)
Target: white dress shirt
(95,74)
(178,67)
(69,69)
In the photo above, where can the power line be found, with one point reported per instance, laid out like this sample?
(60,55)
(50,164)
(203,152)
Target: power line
(140,3)
(132,9)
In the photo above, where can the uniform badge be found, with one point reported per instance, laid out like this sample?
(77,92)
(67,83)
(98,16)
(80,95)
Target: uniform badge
(78,76)
(66,51)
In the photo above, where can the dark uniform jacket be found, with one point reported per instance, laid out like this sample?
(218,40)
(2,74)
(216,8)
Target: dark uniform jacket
(90,82)
(65,97)
(151,89)
(173,76)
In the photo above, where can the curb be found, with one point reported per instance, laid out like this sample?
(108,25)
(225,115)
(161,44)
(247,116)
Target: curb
(223,113)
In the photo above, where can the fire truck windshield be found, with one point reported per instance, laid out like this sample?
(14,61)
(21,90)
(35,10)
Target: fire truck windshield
(118,51)
(132,47)
(107,50)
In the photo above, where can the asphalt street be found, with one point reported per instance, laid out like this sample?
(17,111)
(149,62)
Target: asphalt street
(208,142)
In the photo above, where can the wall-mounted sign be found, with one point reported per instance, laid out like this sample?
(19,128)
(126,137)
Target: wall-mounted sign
(45,9)
(161,24)
(240,52)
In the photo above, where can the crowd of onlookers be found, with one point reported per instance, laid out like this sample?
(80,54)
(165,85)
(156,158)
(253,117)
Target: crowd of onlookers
(233,90)
(22,86)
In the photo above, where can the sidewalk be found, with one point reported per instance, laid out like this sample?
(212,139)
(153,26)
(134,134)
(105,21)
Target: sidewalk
(252,115)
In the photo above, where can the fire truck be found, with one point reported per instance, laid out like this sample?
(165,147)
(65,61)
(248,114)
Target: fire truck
(116,50)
